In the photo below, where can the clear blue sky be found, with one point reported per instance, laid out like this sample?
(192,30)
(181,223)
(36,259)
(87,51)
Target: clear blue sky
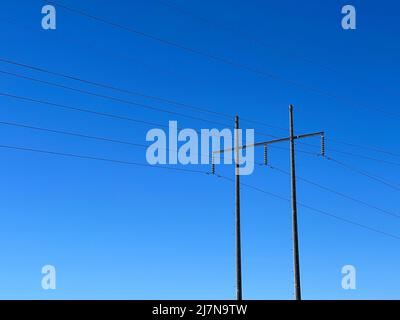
(119,231)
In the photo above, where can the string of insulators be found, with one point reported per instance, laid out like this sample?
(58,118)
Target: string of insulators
(323,145)
(212,165)
(265,155)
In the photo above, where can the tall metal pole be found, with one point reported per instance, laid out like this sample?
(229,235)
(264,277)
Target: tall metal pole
(237,200)
(237,148)
(297,288)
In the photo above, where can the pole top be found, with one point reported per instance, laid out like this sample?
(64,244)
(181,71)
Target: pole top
(290,107)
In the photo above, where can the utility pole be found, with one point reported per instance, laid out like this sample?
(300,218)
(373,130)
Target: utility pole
(296,258)
(237,202)
(265,144)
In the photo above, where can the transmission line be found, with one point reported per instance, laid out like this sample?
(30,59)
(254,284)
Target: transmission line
(111,98)
(220,59)
(238,32)
(316,210)
(339,193)
(86,157)
(73,155)
(364,173)
(114,88)
(189,106)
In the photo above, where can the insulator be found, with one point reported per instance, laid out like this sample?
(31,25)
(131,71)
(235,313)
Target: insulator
(265,155)
(323,145)
(212,166)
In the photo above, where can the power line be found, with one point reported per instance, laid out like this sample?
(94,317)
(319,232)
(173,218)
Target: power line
(265,124)
(73,134)
(118,89)
(158,39)
(219,59)
(145,95)
(190,106)
(73,155)
(297,150)
(108,115)
(91,47)
(248,36)
(265,144)
(111,98)
(67,107)
(102,85)
(86,136)
(365,157)
(341,194)
(352,154)
(77,156)
(82,135)
(364,173)
(72,108)
(376,149)
(43,70)
(379,179)
(239,32)
(131,92)
(83,110)
(114,88)
(369,175)
(316,210)
(137,93)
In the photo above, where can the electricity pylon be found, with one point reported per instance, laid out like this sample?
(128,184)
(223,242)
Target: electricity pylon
(292,137)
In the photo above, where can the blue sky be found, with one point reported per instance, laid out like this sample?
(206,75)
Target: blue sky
(124,232)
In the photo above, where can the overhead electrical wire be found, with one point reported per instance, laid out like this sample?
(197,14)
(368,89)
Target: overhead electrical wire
(315,210)
(292,54)
(86,136)
(185,105)
(122,90)
(115,88)
(113,116)
(333,191)
(86,157)
(364,173)
(83,110)
(112,140)
(166,100)
(73,155)
(110,98)
(43,70)
(220,59)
